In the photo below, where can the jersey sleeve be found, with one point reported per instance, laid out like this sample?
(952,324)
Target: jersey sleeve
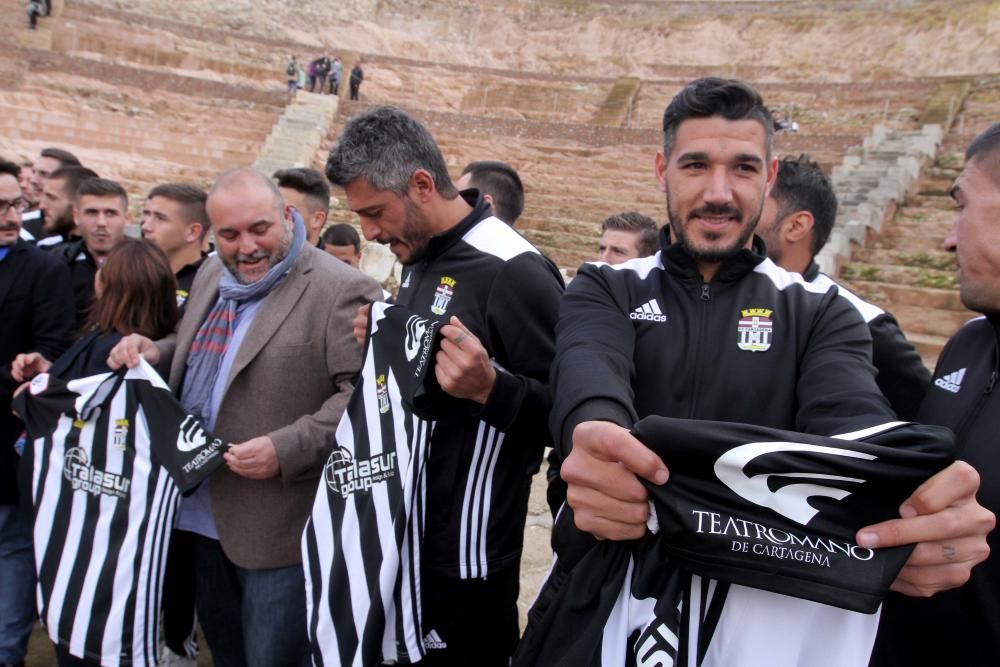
(521,316)
(178,440)
(593,363)
(902,376)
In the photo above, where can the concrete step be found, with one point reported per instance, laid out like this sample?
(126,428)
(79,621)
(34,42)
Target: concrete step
(889,296)
(930,321)
(900,275)
(885,256)
(928,347)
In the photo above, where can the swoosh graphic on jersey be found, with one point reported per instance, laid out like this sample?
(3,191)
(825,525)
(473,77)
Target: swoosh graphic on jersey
(415,328)
(191,435)
(792,500)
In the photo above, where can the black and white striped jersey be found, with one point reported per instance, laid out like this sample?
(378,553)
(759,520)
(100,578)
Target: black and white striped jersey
(770,516)
(361,546)
(100,465)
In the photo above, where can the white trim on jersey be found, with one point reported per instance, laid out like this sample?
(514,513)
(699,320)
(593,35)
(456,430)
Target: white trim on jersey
(869,311)
(642,266)
(495,237)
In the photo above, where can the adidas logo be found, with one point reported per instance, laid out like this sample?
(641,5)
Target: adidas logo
(952,381)
(433,640)
(649,311)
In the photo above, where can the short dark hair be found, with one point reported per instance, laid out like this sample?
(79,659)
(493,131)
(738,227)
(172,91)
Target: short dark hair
(984,144)
(802,186)
(309,182)
(712,96)
(642,225)
(385,146)
(342,234)
(190,198)
(64,157)
(8,167)
(500,181)
(139,292)
(72,177)
(101,187)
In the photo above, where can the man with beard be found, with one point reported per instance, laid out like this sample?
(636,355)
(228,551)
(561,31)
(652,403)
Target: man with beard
(497,296)
(796,222)
(58,192)
(265,355)
(49,161)
(959,627)
(37,306)
(710,329)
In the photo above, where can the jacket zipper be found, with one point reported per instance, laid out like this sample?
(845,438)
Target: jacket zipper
(705,297)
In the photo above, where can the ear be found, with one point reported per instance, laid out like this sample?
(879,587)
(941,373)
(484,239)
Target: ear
(660,167)
(318,220)
(422,186)
(772,175)
(76,214)
(798,227)
(193,232)
(489,200)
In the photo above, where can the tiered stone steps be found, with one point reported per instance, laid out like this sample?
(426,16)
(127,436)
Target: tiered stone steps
(905,270)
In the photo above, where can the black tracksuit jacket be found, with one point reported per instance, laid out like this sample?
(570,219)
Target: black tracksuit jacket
(756,345)
(960,626)
(507,294)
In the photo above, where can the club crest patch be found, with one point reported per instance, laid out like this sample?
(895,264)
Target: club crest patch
(382,392)
(120,436)
(755,330)
(442,295)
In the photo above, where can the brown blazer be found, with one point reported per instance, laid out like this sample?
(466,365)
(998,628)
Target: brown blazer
(290,381)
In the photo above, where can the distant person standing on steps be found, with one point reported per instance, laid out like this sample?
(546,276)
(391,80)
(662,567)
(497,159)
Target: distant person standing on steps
(357,76)
(337,69)
(292,73)
(35,9)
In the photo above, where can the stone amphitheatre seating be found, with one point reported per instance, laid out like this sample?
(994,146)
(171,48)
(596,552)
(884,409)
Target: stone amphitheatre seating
(130,109)
(576,173)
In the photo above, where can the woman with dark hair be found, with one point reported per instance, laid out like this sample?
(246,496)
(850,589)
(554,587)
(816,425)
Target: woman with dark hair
(136,293)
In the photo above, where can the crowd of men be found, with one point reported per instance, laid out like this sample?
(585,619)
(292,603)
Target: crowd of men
(275,319)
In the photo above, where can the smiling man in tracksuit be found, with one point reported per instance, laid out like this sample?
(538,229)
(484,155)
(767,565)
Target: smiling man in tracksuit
(748,342)
(498,297)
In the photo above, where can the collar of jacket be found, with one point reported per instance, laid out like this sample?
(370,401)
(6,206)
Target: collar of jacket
(439,243)
(678,261)
(811,272)
(193,267)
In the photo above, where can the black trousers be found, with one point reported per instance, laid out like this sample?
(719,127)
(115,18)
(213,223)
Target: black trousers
(179,595)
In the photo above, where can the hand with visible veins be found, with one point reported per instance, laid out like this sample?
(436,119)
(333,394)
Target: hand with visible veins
(463,367)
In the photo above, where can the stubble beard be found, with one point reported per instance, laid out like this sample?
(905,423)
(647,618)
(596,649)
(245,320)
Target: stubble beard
(679,233)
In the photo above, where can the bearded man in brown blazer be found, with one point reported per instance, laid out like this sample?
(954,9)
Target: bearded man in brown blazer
(265,354)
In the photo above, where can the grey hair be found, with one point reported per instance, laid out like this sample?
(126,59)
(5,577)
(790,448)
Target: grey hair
(385,146)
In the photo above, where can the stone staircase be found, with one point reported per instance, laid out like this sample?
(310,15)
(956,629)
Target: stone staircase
(870,181)
(297,135)
(905,269)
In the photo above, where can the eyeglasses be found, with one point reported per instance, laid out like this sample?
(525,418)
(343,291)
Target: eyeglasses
(6,204)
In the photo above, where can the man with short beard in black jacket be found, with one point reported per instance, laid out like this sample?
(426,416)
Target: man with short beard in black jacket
(959,627)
